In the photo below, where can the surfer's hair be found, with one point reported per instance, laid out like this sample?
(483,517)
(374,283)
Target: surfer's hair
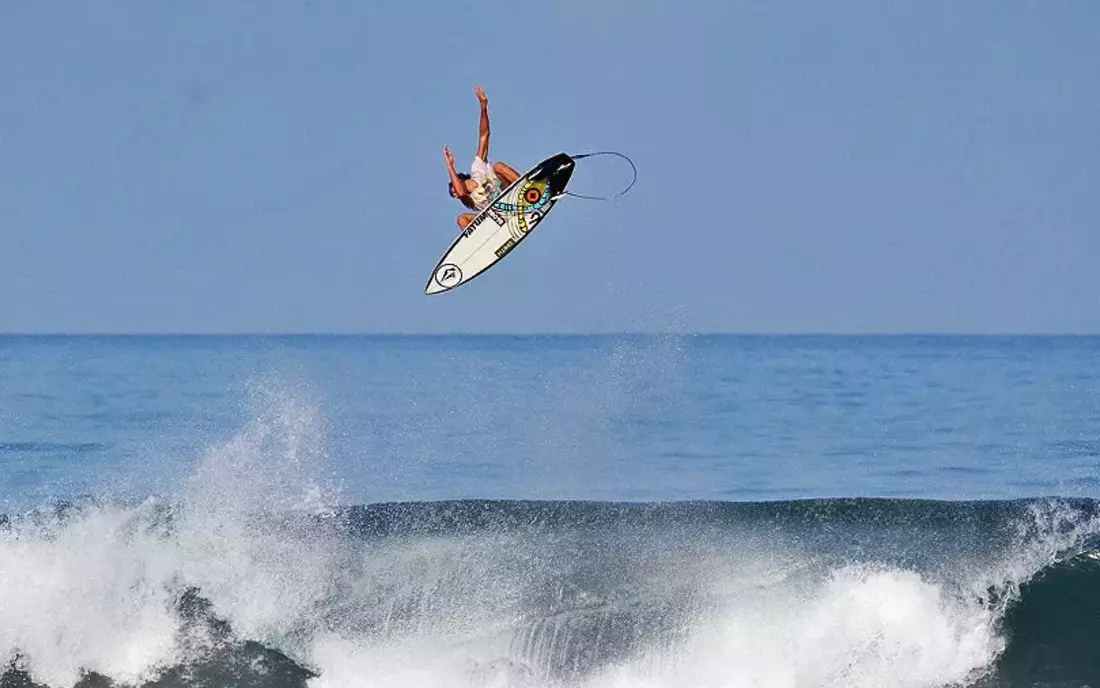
(461,175)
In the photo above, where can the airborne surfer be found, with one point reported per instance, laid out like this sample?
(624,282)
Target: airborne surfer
(478,189)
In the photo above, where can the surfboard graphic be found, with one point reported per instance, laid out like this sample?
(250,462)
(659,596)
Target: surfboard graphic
(503,225)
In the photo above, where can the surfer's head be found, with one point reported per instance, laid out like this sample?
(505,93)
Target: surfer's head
(451,190)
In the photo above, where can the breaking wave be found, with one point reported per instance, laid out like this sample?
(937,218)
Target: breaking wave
(248,576)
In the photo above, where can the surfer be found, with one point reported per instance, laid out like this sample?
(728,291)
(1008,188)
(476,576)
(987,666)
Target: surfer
(478,189)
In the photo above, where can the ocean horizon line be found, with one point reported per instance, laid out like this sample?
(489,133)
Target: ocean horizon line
(558,334)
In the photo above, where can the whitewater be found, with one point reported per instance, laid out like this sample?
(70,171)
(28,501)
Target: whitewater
(262,560)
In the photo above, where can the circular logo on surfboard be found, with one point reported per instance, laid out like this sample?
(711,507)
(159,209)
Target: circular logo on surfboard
(532,195)
(448,275)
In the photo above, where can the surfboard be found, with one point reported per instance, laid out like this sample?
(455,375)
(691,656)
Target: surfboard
(503,225)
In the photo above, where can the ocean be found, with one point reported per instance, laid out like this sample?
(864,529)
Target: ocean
(533,511)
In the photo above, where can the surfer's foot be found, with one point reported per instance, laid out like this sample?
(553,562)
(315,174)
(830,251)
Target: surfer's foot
(465,219)
(504,173)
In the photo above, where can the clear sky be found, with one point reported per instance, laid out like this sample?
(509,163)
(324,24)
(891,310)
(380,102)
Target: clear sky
(845,166)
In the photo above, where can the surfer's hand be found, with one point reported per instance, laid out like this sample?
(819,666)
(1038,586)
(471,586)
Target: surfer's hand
(481,97)
(448,156)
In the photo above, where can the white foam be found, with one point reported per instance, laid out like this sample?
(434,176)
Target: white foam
(97,591)
(859,627)
(91,595)
(259,573)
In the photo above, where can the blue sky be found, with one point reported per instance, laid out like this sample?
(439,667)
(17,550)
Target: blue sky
(852,166)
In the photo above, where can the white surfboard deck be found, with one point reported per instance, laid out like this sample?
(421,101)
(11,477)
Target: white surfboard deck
(499,228)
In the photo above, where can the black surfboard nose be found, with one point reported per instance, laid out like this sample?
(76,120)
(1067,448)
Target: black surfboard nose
(557,171)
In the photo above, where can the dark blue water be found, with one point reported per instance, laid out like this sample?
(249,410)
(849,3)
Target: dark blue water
(533,511)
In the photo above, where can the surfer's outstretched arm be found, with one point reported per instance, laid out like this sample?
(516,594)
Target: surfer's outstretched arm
(458,187)
(483,125)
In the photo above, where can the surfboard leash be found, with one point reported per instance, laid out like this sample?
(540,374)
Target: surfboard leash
(604,198)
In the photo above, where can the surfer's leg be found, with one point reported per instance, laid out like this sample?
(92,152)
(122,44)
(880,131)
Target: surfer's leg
(504,173)
(465,219)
